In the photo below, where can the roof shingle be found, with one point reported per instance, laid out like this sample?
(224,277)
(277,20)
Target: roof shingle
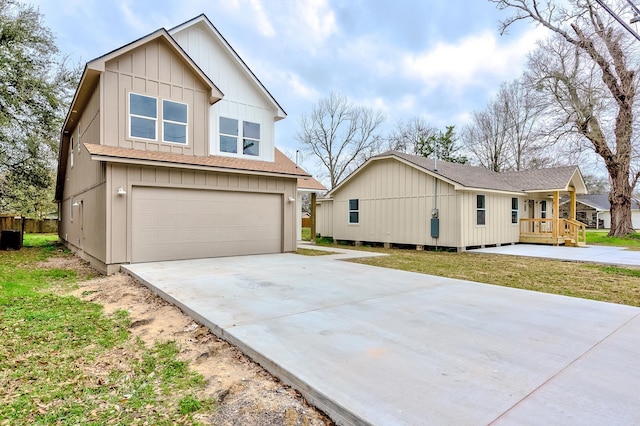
(281,165)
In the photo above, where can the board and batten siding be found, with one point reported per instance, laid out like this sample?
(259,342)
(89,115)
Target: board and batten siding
(242,96)
(154,70)
(119,221)
(324,218)
(395,204)
(498,228)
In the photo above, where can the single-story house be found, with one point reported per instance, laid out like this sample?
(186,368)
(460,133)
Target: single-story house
(403,199)
(168,152)
(594,210)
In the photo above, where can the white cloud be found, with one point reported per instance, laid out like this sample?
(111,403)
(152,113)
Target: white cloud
(302,90)
(133,20)
(471,59)
(315,20)
(262,19)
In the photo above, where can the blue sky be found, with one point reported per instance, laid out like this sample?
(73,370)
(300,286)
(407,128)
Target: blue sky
(437,59)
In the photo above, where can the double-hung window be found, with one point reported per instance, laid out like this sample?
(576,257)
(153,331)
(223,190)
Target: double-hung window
(231,133)
(143,116)
(543,209)
(354,211)
(174,122)
(514,210)
(481,210)
(71,148)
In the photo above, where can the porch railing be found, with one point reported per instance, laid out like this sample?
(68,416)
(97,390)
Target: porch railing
(544,229)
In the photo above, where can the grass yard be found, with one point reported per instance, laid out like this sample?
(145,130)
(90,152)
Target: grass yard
(599,237)
(63,361)
(306,234)
(589,281)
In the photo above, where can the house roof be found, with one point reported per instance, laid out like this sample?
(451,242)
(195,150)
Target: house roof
(310,184)
(202,20)
(282,166)
(600,202)
(466,177)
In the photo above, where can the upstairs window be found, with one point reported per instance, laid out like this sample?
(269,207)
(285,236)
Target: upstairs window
(228,135)
(231,133)
(514,210)
(78,143)
(143,116)
(354,212)
(481,210)
(71,153)
(250,138)
(174,122)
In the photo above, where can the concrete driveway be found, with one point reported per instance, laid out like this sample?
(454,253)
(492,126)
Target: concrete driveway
(595,254)
(375,346)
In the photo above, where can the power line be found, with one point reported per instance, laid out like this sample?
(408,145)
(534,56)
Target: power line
(636,17)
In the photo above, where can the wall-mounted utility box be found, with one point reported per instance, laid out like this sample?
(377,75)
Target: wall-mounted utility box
(435,227)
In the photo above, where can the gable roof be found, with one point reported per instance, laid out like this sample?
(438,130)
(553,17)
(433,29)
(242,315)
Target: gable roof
(90,78)
(202,20)
(466,177)
(281,166)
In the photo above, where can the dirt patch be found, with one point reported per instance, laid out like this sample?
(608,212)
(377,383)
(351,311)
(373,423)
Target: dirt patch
(245,392)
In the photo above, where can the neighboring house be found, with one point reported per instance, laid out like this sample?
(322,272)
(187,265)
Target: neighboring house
(398,198)
(167,152)
(594,210)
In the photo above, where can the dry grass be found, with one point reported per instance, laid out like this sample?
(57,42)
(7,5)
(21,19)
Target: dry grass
(589,281)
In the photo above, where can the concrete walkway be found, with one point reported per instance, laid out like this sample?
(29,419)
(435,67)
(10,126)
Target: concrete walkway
(370,345)
(598,254)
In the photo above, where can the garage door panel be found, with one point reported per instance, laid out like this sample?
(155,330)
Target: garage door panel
(171,223)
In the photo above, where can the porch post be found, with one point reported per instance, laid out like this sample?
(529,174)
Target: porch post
(572,212)
(556,216)
(313,217)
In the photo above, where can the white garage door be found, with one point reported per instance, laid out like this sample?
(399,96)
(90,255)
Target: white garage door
(170,224)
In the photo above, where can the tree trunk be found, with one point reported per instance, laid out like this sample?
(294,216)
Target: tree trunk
(620,200)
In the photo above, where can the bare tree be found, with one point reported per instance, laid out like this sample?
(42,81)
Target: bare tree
(597,45)
(410,136)
(505,135)
(340,134)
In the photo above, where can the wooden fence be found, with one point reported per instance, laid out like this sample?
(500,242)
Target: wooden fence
(31,226)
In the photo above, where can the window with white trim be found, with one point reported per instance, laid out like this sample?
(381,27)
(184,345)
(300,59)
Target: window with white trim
(354,211)
(71,152)
(78,143)
(514,210)
(543,209)
(481,210)
(174,122)
(231,133)
(143,116)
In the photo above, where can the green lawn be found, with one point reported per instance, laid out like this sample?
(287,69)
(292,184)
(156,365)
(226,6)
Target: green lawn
(306,234)
(589,281)
(63,361)
(599,237)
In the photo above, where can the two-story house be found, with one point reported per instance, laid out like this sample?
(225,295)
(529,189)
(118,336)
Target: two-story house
(168,152)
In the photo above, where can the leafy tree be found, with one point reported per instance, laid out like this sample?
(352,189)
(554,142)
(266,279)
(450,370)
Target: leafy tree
(589,75)
(35,88)
(340,134)
(443,146)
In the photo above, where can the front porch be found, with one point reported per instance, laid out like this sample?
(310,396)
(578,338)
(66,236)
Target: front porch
(554,230)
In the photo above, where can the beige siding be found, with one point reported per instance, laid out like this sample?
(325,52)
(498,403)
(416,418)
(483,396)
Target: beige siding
(324,218)
(242,100)
(498,228)
(120,220)
(154,70)
(84,187)
(395,203)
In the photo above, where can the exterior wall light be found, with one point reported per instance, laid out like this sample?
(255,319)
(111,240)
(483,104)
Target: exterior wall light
(121,191)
